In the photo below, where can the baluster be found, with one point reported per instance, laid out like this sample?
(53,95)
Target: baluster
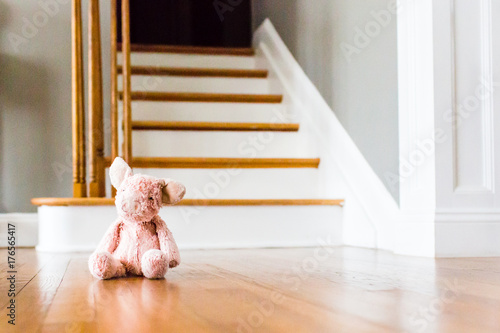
(114,87)
(77,104)
(127,103)
(96,128)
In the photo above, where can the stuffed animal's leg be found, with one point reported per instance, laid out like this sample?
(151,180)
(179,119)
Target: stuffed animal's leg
(154,264)
(103,265)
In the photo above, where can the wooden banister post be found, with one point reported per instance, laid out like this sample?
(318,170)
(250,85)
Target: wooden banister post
(127,102)
(77,104)
(114,87)
(96,126)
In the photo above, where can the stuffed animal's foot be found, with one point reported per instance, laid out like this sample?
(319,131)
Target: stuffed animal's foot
(104,266)
(154,264)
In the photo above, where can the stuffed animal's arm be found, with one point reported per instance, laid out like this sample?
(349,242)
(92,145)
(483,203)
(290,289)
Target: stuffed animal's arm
(111,238)
(167,242)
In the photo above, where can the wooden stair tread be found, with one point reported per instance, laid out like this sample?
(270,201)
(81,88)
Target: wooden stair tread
(197,72)
(219,162)
(213,126)
(233,51)
(203,97)
(192,202)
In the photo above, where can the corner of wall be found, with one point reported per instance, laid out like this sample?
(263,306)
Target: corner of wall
(370,210)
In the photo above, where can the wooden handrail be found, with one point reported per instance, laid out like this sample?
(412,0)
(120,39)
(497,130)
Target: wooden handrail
(127,101)
(114,86)
(96,127)
(77,104)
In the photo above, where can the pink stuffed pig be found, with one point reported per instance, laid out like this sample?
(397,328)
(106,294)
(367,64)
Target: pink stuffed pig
(138,242)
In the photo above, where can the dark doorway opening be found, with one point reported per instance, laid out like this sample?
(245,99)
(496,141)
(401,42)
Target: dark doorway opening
(217,23)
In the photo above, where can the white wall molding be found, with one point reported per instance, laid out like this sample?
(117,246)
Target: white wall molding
(487,107)
(465,17)
(416,106)
(446,60)
(26,230)
(467,216)
(417,138)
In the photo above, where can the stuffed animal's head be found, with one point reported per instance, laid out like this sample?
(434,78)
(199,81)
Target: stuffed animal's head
(139,197)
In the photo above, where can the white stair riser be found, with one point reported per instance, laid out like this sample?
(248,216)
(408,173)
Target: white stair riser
(211,112)
(66,229)
(222,144)
(288,183)
(199,84)
(191,60)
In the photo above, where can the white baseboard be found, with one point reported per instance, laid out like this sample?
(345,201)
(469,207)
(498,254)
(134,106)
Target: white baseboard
(26,229)
(466,233)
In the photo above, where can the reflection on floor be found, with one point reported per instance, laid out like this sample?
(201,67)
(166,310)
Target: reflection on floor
(268,290)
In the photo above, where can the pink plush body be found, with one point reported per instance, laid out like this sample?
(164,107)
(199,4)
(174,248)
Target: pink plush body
(138,242)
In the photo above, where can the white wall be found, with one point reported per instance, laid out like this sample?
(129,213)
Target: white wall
(357,76)
(35,100)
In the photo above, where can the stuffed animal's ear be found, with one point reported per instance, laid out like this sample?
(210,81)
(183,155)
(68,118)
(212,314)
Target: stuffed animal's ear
(119,171)
(172,192)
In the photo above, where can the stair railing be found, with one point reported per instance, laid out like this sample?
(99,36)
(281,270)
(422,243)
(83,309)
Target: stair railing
(96,159)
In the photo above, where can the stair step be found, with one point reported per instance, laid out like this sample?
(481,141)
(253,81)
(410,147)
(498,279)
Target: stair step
(222,144)
(198,72)
(220,163)
(213,126)
(186,60)
(192,84)
(212,112)
(237,51)
(203,97)
(192,202)
(270,183)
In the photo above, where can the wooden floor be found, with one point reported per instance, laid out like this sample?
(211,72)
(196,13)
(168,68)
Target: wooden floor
(266,290)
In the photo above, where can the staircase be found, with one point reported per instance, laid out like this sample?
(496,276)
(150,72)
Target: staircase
(219,121)
(183,118)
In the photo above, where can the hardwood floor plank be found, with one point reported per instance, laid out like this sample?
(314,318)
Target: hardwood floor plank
(265,308)
(73,308)
(28,263)
(294,282)
(117,310)
(34,300)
